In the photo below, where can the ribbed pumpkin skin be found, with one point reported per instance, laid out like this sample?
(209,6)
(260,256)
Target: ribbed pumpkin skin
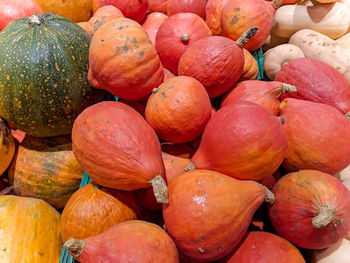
(46,168)
(250,69)
(92,210)
(298,198)
(237,134)
(152,24)
(30,231)
(169,44)
(124,160)
(209,212)
(124,61)
(264,247)
(43,80)
(186,6)
(316,81)
(131,241)
(318,136)
(217,62)
(7,146)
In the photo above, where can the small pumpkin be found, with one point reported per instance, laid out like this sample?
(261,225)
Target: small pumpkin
(152,23)
(7,146)
(250,68)
(186,6)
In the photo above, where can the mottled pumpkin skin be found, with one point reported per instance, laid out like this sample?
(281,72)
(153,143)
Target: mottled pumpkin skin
(242,140)
(46,168)
(7,146)
(43,80)
(124,61)
(131,241)
(250,69)
(152,23)
(174,166)
(217,62)
(298,196)
(186,6)
(318,136)
(209,212)
(213,15)
(92,210)
(36,223)
(264,247)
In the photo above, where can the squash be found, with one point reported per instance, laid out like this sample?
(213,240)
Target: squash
(311,209)
(213,13)
(135,105)
(49,87)
(38,225)
(129,159)
(13,9)
(338,252)
(250,68)
(273,41)
(316,81)
(209,212)
(186,6)
(123,61)
(174,166)
(177,149)
(152,23)
(18,135)
(174,121)
(167,74)
(176,34)
(46,168)
(7,146)
(92,210)
(133,241)
(157,6)
(235,135)
(343,176)
(75,10)
(333,19)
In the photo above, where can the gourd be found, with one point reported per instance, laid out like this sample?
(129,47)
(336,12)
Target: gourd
(250,68)
(7,146)
(213,15)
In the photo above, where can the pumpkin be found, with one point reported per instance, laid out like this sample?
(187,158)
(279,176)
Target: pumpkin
(318,136)
(146,199)
(92,210)
(238,16)
(75,10)
(174,121)
(46,168)
(343,176)
(186,6)
(213,13)
(135,10)
(133,241)
(42,93)
(177,149)
(336,253)
(263,93)
(316,81)
(157,6)
(135,105)
(237,134)
(176,34)
(42,243)
(264,247)
(311,209)
(250,68)
(13,9)
(18,135)
(174,166)
(209,212)
(152,23)
(127,160)
(123,60)
(167,74)
(7,146)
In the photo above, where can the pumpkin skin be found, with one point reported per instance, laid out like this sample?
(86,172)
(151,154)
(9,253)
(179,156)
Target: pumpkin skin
(316,81)
(47,103)
(13,9)
(7,146)
(129,159)
(217,62)
(157,6)
(152,24)
(176,34)
(213,15)
(124,61)
(135,10)
(46,168)
(264,247)
(42,244)
(209,212)
(174,166)
(241,132)
(186,6)
(250,68)
(135,105)
(92,210)
(299,198)
(318,136)
(130,241)
(167,74)
(174,121)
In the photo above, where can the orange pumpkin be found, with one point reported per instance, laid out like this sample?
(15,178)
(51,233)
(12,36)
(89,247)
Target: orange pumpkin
(7,146)
(174,121)
(135,105)
(152,23)
(186,6)
(250,68)
(174,166)
(213,15)
(157,6)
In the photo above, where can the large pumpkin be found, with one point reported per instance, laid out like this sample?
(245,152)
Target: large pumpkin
(43,74)
(7,146)
(124,61)
(30,230)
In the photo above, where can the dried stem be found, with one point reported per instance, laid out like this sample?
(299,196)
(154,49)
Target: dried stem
(325,215)
(160,189)
(189,167)
(246,36)
(76,246)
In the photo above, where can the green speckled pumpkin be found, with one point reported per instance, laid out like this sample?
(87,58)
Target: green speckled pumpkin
(43,74)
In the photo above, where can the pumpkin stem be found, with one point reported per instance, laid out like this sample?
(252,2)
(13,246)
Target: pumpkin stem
(35,20)
(160,189)
(286,88)
(283,120)
(76,246)
(325,215)
(190,166)
(347,116)
(185,38)
(155,90)
(7,190)
(269,196)
(5,132)
(246,36)
(276,3)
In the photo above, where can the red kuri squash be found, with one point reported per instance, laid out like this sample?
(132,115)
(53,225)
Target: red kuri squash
(174,166)
(186,6)
(157,6)
(152,23)
(213,15)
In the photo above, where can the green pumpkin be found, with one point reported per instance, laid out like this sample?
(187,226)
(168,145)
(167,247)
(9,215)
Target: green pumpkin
(43,74)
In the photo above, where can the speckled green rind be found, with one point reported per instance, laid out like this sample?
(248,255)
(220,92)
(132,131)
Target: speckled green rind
(43,75)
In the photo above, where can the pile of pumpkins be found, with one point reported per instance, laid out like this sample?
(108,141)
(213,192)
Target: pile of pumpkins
(192,158)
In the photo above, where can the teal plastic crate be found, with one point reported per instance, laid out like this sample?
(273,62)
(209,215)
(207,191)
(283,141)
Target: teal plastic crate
(259,57)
